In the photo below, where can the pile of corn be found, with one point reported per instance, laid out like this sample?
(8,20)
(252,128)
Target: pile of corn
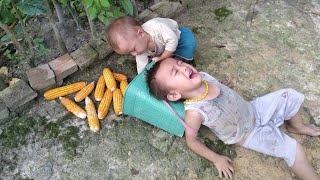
(106,91)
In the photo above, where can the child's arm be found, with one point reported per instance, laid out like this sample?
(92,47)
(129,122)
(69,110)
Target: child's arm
(142,61)
(222,163)
(166,54)
(169,37)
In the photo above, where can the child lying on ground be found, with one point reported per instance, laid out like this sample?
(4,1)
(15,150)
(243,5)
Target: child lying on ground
(158,38)
(253,125)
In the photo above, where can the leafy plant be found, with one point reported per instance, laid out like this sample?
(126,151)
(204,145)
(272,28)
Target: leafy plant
(6,18)
(32,7)
(8,54)
(6,15)
(106,10)
(40,48)
(5,40)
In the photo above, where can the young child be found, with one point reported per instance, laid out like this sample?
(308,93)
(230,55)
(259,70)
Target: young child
(253,125)
(158,38)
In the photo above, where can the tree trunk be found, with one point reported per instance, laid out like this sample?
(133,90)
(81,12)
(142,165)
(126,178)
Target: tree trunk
(59,12)
(74,15)
(12,37)
(26,34)
(61,43)
(91,23)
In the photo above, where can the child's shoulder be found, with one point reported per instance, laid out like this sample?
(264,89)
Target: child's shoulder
(159,20)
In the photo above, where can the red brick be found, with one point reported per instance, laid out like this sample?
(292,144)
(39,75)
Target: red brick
(41,77)
(63,66)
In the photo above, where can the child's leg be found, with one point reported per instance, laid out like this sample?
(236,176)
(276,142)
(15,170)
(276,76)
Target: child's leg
(296,125)
(186,45)
(302,167)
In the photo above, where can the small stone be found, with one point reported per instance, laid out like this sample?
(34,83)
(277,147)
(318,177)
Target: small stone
(13,81)
(4,70)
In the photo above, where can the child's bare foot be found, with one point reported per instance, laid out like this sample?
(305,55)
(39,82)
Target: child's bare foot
(309,129)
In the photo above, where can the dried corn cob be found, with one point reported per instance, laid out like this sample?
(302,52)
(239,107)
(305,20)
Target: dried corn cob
(119,77)
(101,85)
(73,107)
(63,90)
(123,86)
(104,105)
(109,79)
(84,92)
(92,115)
(117,101)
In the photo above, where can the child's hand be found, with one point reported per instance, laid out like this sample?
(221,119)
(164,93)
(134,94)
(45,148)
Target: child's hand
(228,83)
(223,164)
(156,59)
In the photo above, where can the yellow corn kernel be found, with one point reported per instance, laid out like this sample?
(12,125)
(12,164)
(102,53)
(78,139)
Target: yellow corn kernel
(119,77)
(92,115)
(117,101)
(84,92)
(109,79)
(104,105)
(101,85)
(63,90)
(123,86)
(73,107)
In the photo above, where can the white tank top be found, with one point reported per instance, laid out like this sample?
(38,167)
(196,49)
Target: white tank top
(228,115)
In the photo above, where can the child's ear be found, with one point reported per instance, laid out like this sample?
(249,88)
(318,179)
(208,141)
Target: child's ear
(173,96)
(140,32)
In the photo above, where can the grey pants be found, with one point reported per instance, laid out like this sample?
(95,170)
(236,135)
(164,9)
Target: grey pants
(271,111)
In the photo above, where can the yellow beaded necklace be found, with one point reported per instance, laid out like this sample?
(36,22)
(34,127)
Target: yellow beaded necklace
(203,96)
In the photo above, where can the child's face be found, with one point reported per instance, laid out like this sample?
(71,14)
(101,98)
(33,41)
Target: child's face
(136,45)
(178,76)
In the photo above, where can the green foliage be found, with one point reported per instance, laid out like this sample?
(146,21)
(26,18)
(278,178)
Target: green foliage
(6,15)
(6,40)
(104,3)
(39,47)
(9,55)
(88,3)
(127,5)
(18,29)
(32,7)
(106,10)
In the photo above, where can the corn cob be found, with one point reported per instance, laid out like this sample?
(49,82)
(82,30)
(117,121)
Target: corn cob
(73,107)
(63,90)
(92,115)
(84,92)
(119,77)
(104,105)
(123,86)
(101,85)
(109,79)
(117,101)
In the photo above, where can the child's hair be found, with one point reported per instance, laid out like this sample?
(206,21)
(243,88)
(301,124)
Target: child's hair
(156,88)
(120,26)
